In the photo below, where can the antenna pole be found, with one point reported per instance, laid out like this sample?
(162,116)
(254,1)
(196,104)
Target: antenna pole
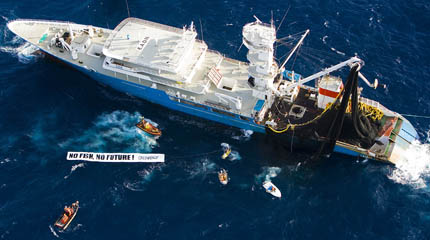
(294,49)
(271,18)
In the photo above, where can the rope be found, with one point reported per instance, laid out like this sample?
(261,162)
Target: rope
(369,111)
(283,18)
(418,116)
(195,155)
(128,9)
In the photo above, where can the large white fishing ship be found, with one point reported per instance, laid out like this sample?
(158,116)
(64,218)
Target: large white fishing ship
(171,67)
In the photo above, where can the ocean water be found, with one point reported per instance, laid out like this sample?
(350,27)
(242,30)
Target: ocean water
(48,109)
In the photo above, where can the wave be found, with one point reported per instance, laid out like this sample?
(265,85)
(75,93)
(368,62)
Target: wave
(414,170)
(324,40)
(187,121)
(134,186)
(26,53)
(267,174)
(74,167)
(225,146)
(146,176)
(337,51)
(326,24)
(234,155)
(53,231)
(114,131)
(77,227)
(116,193)
(201,168)
(7,160)
(245,135)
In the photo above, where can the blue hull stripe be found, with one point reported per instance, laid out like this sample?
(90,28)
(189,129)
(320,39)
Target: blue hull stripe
(161,98)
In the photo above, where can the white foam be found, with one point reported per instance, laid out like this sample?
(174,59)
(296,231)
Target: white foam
(114,131)
(74,167)
(337,51)
(414,170)
(116,193)
(201,168)
(134,186)
(53,232)
(77,227)
(245,135)
(26,52)
(324,38)
(7,160)
(234,156)
(146,176)
(225,146)
(267,174)
(326,24)
(147,173)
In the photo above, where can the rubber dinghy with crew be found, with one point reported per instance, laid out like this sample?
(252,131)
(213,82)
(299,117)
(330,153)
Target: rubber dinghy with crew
(169,66)
(148,127)
(223,176)
(67,217)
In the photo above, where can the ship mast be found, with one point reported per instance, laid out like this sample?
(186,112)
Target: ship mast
(326,71)
(294,49)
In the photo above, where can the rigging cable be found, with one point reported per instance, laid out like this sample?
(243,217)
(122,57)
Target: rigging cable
(128,10)
(283,18)
(295,57)
(417,116)
(195,155)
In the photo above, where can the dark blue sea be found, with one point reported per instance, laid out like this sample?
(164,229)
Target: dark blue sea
(48,109)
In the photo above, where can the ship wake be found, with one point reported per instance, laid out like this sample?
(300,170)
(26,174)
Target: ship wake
(74,167)
(268,174)
(113,132)
(414,170)
(25,52)
(145,177)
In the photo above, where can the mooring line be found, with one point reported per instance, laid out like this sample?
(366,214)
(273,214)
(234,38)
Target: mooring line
(418,116)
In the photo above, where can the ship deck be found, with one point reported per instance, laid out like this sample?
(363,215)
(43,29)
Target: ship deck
(200,89)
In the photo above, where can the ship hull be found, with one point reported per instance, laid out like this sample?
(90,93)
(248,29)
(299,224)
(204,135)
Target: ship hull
(404,138)
(407,133)
(161,98)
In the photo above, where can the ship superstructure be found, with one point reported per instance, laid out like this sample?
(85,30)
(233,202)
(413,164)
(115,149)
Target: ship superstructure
(171,67)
